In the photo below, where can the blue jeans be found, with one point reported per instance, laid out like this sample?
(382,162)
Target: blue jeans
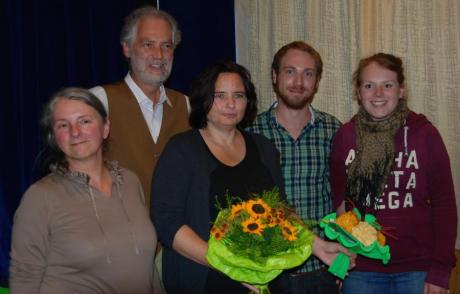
(384,283)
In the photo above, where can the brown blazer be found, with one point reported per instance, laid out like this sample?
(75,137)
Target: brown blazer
(131,143)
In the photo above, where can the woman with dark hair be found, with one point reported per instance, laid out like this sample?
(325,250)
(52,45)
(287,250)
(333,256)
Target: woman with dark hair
(392,162)
(201,166)
(84,227)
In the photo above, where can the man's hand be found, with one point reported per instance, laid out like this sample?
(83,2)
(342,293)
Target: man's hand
(328,251)
(433,289)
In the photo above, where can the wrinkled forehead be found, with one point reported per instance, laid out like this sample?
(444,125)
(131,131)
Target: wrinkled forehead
(70,106)
(153,26)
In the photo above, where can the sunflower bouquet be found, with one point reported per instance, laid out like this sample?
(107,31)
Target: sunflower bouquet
(253,241)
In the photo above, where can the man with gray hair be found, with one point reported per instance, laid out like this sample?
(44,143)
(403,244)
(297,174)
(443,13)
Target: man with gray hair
(143,113)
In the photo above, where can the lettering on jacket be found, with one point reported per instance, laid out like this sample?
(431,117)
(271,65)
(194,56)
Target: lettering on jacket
(400,183)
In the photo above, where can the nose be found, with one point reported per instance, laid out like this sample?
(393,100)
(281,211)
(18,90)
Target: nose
(298,80)
(230,102)
(74,130)
(378,91)
(157,52)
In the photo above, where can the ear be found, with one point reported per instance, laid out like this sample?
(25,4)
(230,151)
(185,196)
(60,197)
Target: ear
(402,91)
(126,50)
(274,76)
(358,96)
(106,129)
(50,140)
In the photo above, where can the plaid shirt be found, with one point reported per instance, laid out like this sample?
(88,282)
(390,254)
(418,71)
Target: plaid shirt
(305,165)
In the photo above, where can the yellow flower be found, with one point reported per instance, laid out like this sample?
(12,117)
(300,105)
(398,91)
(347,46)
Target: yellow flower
(276,217)
(280,214)
(289,231)
(271,220)
(218,236)
(218,233)
(258,208)
(253,225)
(237,209)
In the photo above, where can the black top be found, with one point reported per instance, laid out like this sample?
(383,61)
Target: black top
(248,177)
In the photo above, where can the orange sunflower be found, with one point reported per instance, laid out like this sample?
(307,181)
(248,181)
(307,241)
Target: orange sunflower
(257,208)
(237,209)
(271,220)
(280,214)
(218,236)
(276,217)
(289,231)
(217,233)
(253,225)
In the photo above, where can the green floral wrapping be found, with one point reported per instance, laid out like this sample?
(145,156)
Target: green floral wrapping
(243,269)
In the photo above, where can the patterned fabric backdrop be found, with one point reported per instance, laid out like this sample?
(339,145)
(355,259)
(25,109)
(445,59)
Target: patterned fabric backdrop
(425,34)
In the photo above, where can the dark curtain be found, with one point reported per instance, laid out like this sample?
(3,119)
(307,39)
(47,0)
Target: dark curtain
(208,35)
(50,44)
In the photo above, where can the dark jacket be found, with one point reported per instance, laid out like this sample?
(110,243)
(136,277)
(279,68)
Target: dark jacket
(180,197)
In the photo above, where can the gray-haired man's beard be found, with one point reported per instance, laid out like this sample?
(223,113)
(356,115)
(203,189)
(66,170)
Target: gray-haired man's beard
(151,79)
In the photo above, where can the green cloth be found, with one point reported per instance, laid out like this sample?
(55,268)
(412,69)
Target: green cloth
(335,232)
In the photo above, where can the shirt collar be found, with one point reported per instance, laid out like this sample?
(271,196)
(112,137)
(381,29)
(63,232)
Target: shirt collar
(140,95)
(83,178)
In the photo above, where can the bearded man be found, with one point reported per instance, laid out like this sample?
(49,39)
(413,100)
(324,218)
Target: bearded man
(143,113)
(303,135)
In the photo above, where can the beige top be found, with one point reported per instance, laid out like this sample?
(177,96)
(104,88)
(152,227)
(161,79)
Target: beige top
(69,238)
